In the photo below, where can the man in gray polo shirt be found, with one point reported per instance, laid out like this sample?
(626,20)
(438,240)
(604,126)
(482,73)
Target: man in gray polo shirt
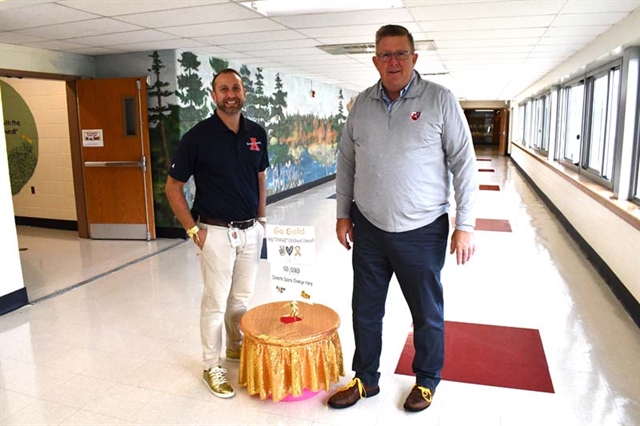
(405,143)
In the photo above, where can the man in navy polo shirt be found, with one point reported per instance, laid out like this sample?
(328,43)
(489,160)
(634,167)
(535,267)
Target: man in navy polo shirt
(227,156)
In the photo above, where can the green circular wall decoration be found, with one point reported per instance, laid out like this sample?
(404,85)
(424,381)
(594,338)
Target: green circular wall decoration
(22,137)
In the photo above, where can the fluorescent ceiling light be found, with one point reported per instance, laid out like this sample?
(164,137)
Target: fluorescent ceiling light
(288,7)
(359,48)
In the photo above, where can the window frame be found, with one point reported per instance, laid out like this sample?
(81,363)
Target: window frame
(563,113)
(585,149)
(634,195)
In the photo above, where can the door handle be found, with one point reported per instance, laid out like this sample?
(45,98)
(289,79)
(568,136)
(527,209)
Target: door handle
(113,164)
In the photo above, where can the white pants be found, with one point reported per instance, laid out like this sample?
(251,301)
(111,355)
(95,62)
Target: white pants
(229,275)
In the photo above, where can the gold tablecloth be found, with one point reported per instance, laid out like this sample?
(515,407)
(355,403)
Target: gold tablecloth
(279,359)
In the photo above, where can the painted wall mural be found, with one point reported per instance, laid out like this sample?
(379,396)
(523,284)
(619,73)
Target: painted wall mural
(22,138)
(303,120)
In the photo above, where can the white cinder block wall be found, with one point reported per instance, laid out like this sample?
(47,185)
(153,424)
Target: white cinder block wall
(53,177)
(12,279)
(615,240)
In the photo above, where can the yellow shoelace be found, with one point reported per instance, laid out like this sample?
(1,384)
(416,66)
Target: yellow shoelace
(426,393)
(358,382)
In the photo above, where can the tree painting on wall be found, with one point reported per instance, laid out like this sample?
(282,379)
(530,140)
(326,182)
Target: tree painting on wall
(191,92)
(164,134)
(302,145)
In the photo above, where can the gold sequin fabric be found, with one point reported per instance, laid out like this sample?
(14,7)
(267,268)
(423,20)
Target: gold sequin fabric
(280,359)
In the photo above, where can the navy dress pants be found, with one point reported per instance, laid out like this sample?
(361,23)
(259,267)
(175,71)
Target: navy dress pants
(416,257)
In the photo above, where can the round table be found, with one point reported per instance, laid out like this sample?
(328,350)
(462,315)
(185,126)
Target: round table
(281,359)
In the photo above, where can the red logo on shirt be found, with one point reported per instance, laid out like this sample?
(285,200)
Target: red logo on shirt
(254,144)
(415,115)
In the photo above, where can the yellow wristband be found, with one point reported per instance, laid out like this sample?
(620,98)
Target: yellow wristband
(192,232)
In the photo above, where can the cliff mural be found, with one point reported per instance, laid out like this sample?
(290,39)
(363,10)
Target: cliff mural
(303,124)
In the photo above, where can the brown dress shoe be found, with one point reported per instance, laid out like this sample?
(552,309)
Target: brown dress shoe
(352,393)
(418,399)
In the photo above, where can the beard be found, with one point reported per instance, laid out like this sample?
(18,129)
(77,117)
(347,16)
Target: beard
(230,109)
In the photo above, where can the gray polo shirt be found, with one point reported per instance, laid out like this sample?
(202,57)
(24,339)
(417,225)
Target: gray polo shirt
(399,163)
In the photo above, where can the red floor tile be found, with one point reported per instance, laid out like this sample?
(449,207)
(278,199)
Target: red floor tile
(489,355)
(489,188)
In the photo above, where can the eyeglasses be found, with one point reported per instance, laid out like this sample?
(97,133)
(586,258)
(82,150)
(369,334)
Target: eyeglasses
(401,55)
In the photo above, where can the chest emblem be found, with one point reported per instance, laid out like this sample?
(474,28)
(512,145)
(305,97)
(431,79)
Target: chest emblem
(415,116)
(254,145)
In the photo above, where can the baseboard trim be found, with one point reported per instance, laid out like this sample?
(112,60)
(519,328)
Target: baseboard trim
(166,232)
(65,225)
(14,300)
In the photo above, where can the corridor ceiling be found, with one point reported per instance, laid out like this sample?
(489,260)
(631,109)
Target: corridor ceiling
(484,50)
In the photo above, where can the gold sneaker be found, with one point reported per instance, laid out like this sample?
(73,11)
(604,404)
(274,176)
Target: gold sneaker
(233,355)
(216,380)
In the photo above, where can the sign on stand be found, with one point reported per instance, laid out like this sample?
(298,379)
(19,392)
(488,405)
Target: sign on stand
(291,252)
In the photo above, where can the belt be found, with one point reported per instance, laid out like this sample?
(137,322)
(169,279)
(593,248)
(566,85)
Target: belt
(239,224)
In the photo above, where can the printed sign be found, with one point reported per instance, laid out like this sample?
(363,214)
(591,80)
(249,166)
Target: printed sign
(292,252)
(295,244)
(92,138)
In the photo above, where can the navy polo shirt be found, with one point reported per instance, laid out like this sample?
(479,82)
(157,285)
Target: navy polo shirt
(225,167)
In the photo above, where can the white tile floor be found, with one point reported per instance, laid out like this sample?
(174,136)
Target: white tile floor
(124,348)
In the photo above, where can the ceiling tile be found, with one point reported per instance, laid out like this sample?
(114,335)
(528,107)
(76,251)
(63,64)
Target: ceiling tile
(56,45)
(40,15)
(119,7)
(557,48)
(220,52)
(285,44)
(601,6)
(488,24)
(358,39)
(582,19)
(556,41)
(363,17)
(486,34)
(354,30)
(14,4)
(124,38)
(487,10)
(94,51)
(192,16)
(484,50)
(157,45)
(233,27)
(506,44)
(83,29)
(488,42)
(472,56)
(299,52)
(552,54)
(251,37)
(592,30)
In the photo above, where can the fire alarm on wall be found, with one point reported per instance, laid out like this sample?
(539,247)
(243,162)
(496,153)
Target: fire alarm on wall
(313,93)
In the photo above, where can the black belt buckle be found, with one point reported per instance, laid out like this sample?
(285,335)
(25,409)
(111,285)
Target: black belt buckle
(244,224)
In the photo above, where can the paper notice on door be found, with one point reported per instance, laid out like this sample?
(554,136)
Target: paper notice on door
(92,138)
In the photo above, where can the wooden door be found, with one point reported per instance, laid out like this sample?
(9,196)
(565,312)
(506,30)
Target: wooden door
(115,154)
(503,129)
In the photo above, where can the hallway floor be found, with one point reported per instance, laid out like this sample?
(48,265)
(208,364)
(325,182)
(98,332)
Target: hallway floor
(122,346)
